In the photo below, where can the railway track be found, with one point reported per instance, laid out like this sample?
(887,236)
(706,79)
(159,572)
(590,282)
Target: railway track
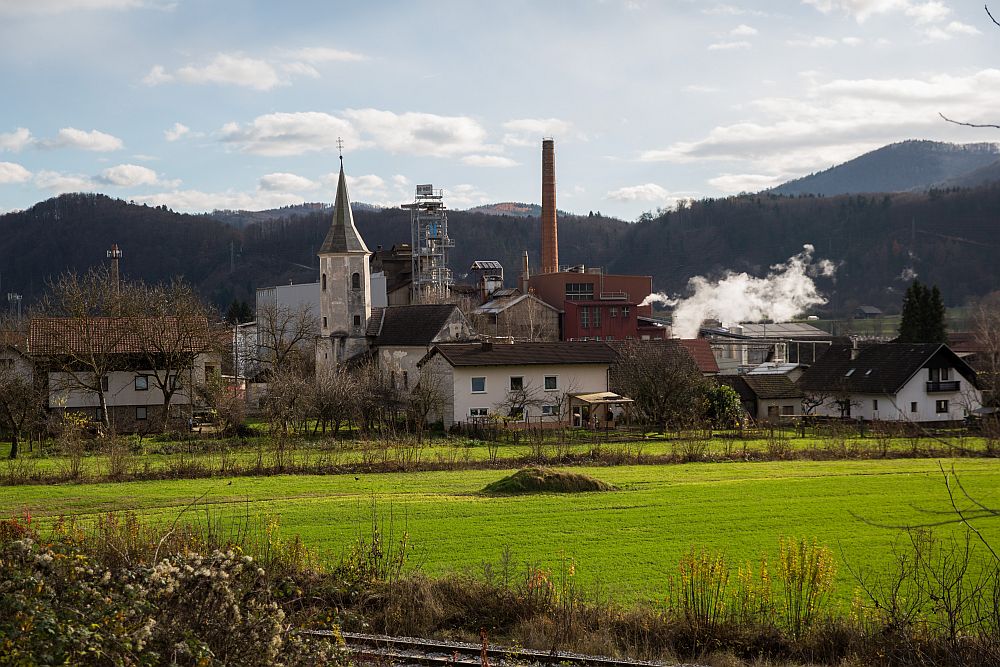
(389,650)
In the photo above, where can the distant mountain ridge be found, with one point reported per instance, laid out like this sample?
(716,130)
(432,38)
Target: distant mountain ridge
(517,209)
(903,167)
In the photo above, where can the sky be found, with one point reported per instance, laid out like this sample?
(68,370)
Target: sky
(220,104)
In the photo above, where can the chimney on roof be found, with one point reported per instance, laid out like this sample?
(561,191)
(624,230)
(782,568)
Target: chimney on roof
(550,231)
(854,349)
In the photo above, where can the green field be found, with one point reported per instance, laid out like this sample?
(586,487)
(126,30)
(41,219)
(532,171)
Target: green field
(629,541)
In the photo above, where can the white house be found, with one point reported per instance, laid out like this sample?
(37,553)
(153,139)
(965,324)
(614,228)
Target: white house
(912,382)
(530,382)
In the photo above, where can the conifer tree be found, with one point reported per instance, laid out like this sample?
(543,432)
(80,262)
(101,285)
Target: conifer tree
(923,318)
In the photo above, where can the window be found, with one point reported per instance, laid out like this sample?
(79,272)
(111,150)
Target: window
(624,311)
(613,311)
(324,282)
(104,383)
(355,281)
(478,413)
(609,338)
(849,373)
(939,374)
(406,380)
(585,317)
(516,412)
(550,410)
(913,406)
(141,382)
(175,382)
(875,404)
(516,383)
(357,320)
(551,382)
(210,371)
(579,291)
(479,385)
(597,317)
(788,409)
(140,413)
(941,407)
(324,322)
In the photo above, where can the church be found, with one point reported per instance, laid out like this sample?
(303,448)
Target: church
(351,329)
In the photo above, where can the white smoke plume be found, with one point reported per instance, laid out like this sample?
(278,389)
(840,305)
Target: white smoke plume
(786,291)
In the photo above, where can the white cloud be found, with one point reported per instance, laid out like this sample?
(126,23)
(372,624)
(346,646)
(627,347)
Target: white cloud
(736,183)
(489,161)
(644,192)
(419,133)
(285,182)
(959,28)
(324,54)
(70,137)
(369,187)
(11,172)
(16,140)
(400,180)
(729,46)
(529,131)
(464,196)
(283,134)
(818,42)
(743,30)
(700,88)
(300,69)
(833,121)
(57,182)
(128,175)
(731,10)
(60,6)
(196,201)
(176,132)
(226,68)
(929,14)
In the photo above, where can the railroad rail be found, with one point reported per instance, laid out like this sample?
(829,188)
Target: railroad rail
(387,649)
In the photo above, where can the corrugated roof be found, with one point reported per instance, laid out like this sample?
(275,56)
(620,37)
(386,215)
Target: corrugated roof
(413,325)
(519,354)
(878,369)
(343,236)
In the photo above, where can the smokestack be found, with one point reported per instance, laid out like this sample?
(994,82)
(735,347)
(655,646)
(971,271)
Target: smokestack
(550,231)
(525,274)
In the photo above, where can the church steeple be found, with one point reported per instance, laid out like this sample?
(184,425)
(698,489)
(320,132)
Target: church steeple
(343,236)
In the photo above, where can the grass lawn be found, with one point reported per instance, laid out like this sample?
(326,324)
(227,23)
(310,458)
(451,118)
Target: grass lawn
(629,541)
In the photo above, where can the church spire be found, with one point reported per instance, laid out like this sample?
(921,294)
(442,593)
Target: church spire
(343,236)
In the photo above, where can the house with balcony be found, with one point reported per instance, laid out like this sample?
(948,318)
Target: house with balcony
(905,382)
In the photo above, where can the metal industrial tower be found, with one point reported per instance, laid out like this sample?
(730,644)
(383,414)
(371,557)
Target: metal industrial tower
(432,278)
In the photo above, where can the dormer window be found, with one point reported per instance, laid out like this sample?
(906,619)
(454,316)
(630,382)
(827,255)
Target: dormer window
(849,373)
(355,281)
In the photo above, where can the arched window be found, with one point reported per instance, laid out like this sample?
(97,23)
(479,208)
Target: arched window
(356,280)
(324,281)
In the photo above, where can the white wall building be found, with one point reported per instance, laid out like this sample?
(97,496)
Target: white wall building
(528,381)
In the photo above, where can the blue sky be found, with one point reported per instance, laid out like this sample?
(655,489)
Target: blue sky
(224,104)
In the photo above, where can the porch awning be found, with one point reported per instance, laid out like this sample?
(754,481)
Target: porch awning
(601,397)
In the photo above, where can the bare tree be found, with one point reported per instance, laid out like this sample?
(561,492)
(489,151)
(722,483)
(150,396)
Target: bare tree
(332,398)
(425,399)
(170,329)
(77,335)
(21,403)
(986,325)
(663,380)
(286,336)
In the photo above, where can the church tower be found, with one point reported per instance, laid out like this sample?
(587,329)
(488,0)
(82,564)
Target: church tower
(344,286)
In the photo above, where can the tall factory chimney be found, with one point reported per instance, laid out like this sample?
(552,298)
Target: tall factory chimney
(550,231)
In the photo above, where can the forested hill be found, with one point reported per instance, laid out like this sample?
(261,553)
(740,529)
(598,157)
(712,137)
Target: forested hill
(949,238)
(901,167)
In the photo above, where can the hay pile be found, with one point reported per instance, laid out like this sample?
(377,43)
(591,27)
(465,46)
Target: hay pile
(545,480)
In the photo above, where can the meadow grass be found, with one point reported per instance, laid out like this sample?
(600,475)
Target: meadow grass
(627,543)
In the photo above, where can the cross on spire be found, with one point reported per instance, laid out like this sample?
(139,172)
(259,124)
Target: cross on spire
(340,148)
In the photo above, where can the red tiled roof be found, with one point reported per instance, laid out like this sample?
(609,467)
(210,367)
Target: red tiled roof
(700,349)
(108,335)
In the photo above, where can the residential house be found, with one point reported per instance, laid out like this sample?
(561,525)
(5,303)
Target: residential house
(914,382)
(766,397)
(68,351)
(530,382)
(402,335)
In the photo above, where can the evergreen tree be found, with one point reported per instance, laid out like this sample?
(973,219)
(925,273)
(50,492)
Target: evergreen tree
(923,318)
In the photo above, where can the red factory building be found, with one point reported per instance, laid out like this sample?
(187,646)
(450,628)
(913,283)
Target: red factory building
(594,305)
